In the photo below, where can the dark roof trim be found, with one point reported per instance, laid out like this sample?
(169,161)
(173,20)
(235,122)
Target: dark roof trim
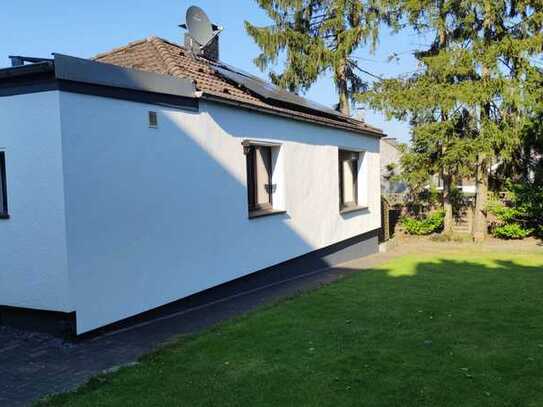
(35,84)
(152,98)
(19,60)
(274,112)
(66,68)
(24,70)
(26,87)
(82,76)
(97,73)
(96,78)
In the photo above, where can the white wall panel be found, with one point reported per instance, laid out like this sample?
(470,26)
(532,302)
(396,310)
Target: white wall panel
(154,215)
(33,264)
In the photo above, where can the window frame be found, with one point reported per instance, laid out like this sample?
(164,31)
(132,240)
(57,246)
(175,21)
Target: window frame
(4,214)
(253,178)
(354,159)
(258,209)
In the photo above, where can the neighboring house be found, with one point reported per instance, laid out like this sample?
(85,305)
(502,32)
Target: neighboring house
(150,174)
(467,185)
(391,155)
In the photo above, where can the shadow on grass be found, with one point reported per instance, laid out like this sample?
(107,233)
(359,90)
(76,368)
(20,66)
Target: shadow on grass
(442,265)
(462,331)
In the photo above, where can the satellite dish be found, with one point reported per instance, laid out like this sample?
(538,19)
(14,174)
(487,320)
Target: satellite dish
(199,26)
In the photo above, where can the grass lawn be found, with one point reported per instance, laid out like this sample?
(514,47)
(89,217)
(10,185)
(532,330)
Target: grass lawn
(452,329)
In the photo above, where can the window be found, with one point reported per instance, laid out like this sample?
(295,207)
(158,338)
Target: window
(259,174)
(261,187)
(3,187)
(348,179)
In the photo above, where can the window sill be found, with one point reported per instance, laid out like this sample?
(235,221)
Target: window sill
(265,212)
(4,216)
(351,209)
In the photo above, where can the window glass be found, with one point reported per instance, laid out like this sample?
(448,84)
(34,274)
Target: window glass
(263,175)
(259,177)
(348,178)
(348,182)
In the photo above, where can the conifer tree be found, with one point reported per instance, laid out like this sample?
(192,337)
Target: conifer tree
(505,38)
(314,37)
(471,102)
(442,126)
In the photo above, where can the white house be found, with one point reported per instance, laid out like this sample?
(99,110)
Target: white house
(149,174)
(391,154)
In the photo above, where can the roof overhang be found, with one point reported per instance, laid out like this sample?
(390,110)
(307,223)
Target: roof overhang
(346,126)
(79,75)
(85,76)
(23,70)
(97,73)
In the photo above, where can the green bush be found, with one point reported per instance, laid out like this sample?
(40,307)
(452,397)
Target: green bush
(521,215)
(512,231)
(426,226)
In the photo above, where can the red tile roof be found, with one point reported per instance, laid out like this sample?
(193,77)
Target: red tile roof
(160,56)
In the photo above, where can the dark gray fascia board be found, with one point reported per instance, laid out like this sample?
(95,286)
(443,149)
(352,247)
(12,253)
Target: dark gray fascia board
(19,60)
(95,78)
(97,73)
(24,70)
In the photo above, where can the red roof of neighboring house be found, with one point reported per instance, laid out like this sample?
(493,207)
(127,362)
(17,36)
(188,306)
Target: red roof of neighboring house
(160,56)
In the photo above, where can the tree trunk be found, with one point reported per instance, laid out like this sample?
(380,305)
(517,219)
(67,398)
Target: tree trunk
(344,107)
(447,204)
(480,224)
(343,90)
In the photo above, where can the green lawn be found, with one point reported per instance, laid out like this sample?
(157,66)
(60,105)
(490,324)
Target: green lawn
(456,329)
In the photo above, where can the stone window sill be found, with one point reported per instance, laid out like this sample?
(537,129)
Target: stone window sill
(265,212)
(351,209)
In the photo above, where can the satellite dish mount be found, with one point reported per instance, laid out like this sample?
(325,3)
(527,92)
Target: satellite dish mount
(202,38)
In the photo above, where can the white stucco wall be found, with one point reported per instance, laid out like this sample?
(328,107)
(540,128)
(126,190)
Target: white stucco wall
(33,262)
(154,215)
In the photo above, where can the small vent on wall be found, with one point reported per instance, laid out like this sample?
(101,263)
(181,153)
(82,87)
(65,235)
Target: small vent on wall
(153,120)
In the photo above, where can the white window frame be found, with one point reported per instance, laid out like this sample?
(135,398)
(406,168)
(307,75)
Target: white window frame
(362,181)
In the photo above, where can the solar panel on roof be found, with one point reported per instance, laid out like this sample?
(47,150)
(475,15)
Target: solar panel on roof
(270,91)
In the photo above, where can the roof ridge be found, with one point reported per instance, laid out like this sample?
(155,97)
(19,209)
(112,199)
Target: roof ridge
(120,49)
(155,37)
(167,59)
(161,42)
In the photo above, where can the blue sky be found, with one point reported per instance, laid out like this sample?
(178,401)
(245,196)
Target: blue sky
(85,28)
